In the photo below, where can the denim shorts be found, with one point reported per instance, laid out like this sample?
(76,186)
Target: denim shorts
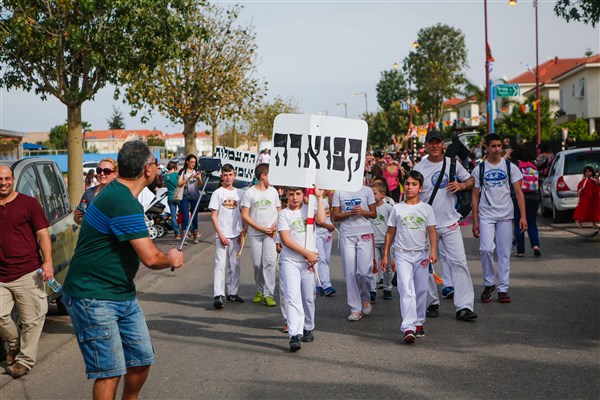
(112,335)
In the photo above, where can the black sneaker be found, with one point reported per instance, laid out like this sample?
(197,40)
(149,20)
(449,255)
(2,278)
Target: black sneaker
(433,311)
(307,336)
(486,295)
(218,302)
(295,343)
(387,294)
(503,297)
(234,298)
(373,295)
(465,315)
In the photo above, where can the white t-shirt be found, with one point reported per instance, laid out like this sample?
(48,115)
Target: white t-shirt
(346,201)
(264,158)
(321,231)
(411,222)
(380,223)
(262,207)
(293,221)
(444,202)
(227,205)
(495,203)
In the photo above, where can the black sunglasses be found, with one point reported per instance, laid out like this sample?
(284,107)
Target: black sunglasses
(107,171)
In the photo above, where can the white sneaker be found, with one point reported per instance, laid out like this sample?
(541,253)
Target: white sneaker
(354,316)
(366,308)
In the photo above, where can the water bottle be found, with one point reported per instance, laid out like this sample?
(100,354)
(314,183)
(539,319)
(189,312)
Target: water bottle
(82,206)
(53,283)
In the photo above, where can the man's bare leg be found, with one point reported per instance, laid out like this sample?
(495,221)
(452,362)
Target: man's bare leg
(106,388)
(134,380)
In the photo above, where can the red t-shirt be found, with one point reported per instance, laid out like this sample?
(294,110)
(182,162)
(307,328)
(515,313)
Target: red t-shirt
(20,219)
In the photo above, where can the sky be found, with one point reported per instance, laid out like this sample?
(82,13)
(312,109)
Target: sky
(321,53)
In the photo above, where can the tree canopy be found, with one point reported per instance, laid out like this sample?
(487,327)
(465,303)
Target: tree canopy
(586,11)
(116,121)
(390,88)
(261,118)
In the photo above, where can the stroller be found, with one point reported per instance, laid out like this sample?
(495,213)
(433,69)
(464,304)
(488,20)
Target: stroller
(155,217)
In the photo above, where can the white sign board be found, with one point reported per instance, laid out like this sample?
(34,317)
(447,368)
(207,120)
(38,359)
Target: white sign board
(243,162)
(328,151)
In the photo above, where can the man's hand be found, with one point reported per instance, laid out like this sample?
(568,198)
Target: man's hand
(176,258)
(432,257)
(523,224)
(47,271)
(476,228)
(454,187)
(77,216)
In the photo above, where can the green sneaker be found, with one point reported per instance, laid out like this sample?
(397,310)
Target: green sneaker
(269,301)
(258,298)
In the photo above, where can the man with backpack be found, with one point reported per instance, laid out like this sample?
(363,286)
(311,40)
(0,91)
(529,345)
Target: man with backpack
(439,190)
(493,215)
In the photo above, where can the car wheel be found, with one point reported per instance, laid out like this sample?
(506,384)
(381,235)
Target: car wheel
(62,310)
(561,216)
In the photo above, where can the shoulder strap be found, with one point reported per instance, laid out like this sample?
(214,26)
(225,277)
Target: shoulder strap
(439,181)
(481,171)
(452,173)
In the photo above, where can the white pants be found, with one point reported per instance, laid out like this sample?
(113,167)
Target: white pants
(223,255)
(299,288)
(357,264)
(386,275)
(503,233)
(452,255)
(324,255)
(264,258)
(281,291)
(413,274)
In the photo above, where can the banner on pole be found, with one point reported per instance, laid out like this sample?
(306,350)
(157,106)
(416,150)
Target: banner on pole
(328,151)
(243,162)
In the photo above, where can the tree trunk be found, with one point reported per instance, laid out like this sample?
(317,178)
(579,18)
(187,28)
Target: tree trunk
(189,134)
(75,158)
(215,135)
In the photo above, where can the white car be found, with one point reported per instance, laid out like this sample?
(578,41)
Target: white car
(89,165)
(559,189)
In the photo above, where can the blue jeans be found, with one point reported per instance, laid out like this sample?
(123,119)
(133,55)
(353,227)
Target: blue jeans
(112,335)
(531,208)
(173,208)
(186,206)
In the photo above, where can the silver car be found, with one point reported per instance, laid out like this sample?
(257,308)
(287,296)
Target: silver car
(559,189)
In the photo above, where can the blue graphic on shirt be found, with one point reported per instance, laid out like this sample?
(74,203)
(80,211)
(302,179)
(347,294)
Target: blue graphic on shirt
(435,177)
(495,177)
(351,203)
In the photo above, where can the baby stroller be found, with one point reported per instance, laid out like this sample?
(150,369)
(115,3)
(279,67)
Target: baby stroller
(155,217)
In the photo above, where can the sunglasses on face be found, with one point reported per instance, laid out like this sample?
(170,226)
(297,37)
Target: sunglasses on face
(106,171)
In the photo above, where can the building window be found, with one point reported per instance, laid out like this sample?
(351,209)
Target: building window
(561,100)
(580,91)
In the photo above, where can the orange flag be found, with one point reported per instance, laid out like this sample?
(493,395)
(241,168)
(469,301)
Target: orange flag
(488,53)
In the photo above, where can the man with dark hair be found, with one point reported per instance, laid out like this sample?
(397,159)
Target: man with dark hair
(377,168)
(99,292)
(24,236)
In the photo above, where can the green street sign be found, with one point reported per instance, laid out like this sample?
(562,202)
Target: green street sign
(508,90)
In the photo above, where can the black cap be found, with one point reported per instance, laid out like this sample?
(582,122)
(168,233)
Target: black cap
(434,134)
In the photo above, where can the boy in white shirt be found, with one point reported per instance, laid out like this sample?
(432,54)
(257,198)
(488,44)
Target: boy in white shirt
(260,207)
(411,228)
(225,215)
(380,228)
(297,266)
(351,210)
(324,240)
(493,214)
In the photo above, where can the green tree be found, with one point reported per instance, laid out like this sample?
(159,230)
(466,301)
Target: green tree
(436,67)
(261,117)
(59,136)
(70,49)
(579,129)
(586,11)
(390,88)
(155,141)
(116,121)
(524,123)
(212,83)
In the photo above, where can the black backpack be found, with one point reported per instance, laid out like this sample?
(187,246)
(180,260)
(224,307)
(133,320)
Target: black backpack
(463,197)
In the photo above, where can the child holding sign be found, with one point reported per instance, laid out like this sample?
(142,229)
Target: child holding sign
(352,209)
(297,266)
(411,228)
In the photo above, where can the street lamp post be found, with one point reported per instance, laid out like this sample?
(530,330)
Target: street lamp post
(487,71)
(366,106)
(345,108)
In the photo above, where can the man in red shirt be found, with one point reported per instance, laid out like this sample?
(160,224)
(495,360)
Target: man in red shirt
(23,235)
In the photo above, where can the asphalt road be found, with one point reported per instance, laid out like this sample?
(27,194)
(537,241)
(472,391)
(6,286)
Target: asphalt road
(544,345)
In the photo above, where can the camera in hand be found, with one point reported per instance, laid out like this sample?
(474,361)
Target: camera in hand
(208,164)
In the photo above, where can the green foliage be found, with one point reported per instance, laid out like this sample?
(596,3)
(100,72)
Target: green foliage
(436,67)
(579,129)
(586,11)
(390,88)
(155,141)
(525,123)
(115,121)
(260,119)
(385,128)
(58,136)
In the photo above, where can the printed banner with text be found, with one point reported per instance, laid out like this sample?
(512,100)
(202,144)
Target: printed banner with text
(243,162)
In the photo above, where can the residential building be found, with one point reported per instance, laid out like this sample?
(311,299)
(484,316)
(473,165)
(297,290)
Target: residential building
(11,144)
(111,141)
(175,142)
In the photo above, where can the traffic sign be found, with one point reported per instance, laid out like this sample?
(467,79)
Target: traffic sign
(507,90)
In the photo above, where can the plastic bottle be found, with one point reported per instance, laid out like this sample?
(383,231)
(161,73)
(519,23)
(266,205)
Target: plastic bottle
(53,283)
(83,205)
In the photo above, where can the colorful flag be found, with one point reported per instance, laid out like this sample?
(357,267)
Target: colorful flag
(529,68)
(488,53)
(417,109)
(403,105)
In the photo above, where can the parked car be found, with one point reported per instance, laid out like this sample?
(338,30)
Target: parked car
(41,178)
(559,189)
(89,165)
(212,185)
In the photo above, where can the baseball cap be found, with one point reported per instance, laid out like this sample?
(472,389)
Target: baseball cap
(434,134)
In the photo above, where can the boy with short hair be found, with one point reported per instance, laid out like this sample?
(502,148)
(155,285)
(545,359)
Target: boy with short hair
(493,214)
(380,228)
(297,266)
(324,240)
(412,229)
(260,207)
(227,221)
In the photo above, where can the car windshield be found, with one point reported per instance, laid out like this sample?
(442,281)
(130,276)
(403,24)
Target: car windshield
(575,162)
